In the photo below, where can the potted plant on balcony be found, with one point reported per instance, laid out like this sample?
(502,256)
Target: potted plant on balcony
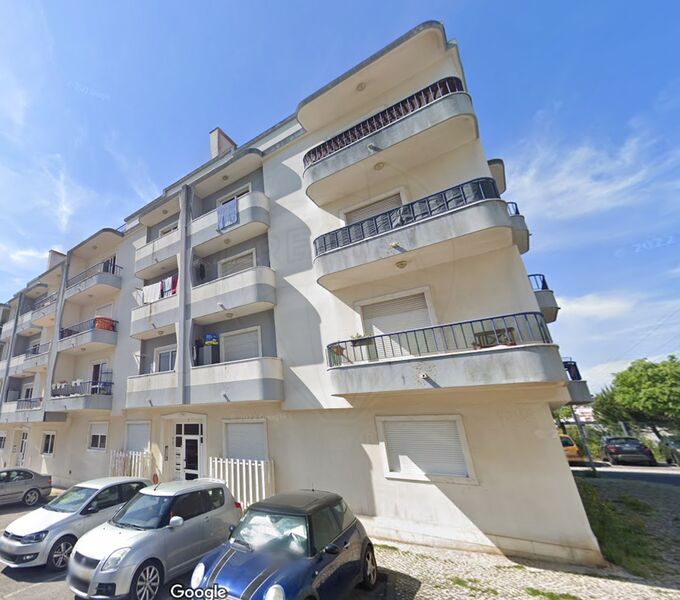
(360,339)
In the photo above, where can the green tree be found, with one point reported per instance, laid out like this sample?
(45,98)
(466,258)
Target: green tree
(607,409)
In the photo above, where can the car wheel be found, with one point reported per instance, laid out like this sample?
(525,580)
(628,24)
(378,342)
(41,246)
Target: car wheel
(57,560)
(613,460)
(147,581)
(369,569)
(31,497)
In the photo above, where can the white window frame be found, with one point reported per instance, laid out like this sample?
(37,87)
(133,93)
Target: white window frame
(89,436)
(156,354)
(225,422)
(168,228)
(24,387)
(252,251)
(54,442)
(471,479)
(426,291)
(239,331)
(137,422)
(238,193)
(3,436)
(401,190)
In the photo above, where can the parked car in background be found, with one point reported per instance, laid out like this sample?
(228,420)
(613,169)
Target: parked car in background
(571,450)
(23,485)
(629,450)
(160,534)
(304,545)
(47,535)
(670,447)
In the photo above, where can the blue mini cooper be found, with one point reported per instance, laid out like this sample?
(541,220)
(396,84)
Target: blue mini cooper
(304,545)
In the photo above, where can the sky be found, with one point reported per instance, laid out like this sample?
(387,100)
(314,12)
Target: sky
(102,105)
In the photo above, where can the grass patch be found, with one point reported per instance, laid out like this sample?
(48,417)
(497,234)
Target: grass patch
(623,538)
(472,585)
(636,505)
(550,595)
(386,548)
(518,567)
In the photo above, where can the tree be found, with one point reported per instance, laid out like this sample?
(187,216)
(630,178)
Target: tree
(647,393)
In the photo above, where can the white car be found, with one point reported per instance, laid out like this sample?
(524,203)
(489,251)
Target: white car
(47,535)
(160,534)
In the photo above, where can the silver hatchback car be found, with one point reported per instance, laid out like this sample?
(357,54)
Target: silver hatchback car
(160,534)
(23,485)
(47,534)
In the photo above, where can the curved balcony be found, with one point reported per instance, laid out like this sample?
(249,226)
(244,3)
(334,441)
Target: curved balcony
(157,256)
(25,410)
(499,350)
(34,360)
(520,231)
(94,283)
(92,335)
(579,393)
(44,310)
(152,389)
(459,222)
(434,120)
(149,320)
(545,297)
(25,325)
(253,220)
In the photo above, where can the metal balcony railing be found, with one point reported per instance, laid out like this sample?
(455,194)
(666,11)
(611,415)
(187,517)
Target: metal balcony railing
(436,204)
(571,368)
(103,323)
(538,282)
(29,403)
(45,301)
(378,121)
(513,209)
(37,350)
(107,266)
(506,330)
(82,388)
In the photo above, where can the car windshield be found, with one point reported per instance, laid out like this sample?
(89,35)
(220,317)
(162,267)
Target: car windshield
(263,530)
(566,441)
(144,511)
(624,440)
(71,500)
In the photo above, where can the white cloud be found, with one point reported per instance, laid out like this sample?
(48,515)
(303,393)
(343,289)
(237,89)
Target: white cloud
(599,376)
(596,306)
(134,170)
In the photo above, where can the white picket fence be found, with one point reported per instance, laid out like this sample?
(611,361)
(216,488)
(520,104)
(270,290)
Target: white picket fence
(131,464)
(248,480)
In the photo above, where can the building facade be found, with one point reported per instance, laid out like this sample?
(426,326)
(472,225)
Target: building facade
(341,303)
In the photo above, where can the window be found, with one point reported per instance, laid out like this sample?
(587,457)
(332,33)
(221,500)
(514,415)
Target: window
(107,498)
(396,314)
(105,310)
(372,209)
(138,436)
(48,442)
(168,229)
(97,437)
(215,498)
(164,358)
(188,506)
(566,441)
(128,490)
(246,440)
(235,195)
(325,528)
(240,345)
(420,447)
(3,440)
(15,475)
(27,391)
(343,514)
(236,264)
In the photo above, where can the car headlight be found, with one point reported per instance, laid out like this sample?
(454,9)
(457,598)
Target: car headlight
(32,538)
(275,592)
(197,575)
(114,560)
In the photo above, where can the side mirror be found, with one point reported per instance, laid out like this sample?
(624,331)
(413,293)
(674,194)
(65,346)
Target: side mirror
(331,549)
(92,509)
(175,521)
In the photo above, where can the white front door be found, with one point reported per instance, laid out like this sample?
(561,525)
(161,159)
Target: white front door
(189,449)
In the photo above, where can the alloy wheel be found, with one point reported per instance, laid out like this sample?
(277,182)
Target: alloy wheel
(61,554)
(371,567)
(31,497)
(148,582)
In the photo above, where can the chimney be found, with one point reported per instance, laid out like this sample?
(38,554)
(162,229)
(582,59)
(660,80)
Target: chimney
(220,143)
(54,257)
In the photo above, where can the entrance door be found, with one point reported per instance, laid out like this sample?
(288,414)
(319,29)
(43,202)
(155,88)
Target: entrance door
(100,378)
(188,450)
(191,456)
(23,445)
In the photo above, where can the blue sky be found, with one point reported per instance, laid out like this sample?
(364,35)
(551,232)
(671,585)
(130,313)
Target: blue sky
(104,104)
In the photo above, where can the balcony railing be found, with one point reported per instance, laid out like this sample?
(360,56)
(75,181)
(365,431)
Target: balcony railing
(29,403)
(436,204)
(538,282)
(571,368)
(384,118)
(103,323)
(513,209)
(103,267)
(506,330)
(37,350)
(45,301)
(82,388)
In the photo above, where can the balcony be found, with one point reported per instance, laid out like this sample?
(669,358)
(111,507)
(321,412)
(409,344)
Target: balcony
(95,283)
(150,320)
(520,231)
(25,325)
(239,294)
(158,256)
(545,297)
(249,380)
(80,395)
(26,410)
(153,389)
(92,335)
(577,387)
(34,360)
(253,220)
(461,221)
(434,120)
(44,310)
(500,350)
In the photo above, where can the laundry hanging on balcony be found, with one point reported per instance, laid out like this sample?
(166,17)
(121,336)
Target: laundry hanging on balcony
(227,214)
(151,293)
(169,286)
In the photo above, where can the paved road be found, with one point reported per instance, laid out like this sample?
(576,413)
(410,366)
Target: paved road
(667,475)
(36,583)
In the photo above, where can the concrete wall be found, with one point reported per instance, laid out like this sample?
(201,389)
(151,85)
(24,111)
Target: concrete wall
(260,244)
(209,203)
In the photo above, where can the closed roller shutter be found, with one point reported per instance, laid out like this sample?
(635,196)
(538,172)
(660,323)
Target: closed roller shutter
(239,346)
(237,264)
(416,448)
(245,441)
(137,437)
(399,314)
(373,209)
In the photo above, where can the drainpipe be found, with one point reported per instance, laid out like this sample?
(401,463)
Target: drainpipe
(184,283)
(10,348)
(59,310)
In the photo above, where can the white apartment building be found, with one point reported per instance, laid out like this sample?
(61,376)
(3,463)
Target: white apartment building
(340,303)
